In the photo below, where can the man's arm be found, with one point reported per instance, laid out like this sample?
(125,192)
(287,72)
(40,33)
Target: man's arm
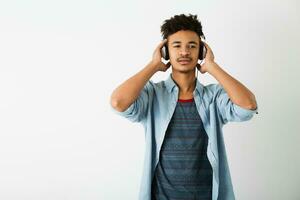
(124,95)
(236,91)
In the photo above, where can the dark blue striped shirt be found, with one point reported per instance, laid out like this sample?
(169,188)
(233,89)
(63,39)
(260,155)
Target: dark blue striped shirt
(183,171)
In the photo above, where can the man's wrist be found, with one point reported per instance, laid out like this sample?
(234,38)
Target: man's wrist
(153,66)
(211,66)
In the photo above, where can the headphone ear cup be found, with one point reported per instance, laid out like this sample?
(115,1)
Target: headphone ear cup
(165,52)
(202,51)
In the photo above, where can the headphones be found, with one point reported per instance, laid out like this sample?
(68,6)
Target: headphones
(202,51)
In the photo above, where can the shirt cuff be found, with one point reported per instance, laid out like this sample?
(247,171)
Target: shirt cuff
(125,112)
(245,111)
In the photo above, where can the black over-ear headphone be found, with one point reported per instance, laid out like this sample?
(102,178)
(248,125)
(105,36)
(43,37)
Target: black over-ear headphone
(202,51)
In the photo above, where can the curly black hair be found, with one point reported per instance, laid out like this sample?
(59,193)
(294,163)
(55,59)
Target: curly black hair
(181,22)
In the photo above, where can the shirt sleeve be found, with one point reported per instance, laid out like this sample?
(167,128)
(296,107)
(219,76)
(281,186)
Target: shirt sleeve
(136,112)
(229,111)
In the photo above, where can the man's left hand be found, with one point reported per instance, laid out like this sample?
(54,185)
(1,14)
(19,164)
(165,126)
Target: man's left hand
(208,60)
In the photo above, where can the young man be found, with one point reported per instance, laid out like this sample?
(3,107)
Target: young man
(185,155)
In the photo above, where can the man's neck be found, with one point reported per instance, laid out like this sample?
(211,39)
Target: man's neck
(185,81)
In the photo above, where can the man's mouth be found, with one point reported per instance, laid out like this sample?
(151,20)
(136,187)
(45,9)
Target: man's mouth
(184,61)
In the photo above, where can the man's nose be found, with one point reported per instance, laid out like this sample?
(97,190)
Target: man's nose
(184,51)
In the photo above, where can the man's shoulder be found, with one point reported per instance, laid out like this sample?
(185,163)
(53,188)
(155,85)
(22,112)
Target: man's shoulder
(160,85)
(212,86)
(210,90)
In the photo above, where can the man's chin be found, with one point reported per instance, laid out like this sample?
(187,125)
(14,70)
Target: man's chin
(184,68)
(187,66)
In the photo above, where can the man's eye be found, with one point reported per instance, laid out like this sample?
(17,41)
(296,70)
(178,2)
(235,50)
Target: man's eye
(189,46)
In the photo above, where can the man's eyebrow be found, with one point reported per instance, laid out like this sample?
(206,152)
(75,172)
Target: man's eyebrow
(190,42)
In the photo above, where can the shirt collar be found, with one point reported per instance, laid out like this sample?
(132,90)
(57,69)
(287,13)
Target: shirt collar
(170,84)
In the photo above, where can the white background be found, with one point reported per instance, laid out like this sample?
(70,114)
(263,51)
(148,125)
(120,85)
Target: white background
(60,60)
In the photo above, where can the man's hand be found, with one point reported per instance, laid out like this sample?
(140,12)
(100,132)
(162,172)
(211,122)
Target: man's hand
(208,60)
(156,58)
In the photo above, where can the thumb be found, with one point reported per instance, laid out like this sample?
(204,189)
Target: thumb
(168,64)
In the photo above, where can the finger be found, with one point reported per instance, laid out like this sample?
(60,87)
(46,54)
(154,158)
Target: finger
(161,44)
(168,64)
(206,45)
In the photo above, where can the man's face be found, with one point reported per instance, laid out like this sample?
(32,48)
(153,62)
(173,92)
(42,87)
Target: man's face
(184,50)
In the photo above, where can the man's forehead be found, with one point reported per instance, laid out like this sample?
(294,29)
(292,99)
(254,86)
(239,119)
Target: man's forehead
(189,42)
(184,41)
(184,37)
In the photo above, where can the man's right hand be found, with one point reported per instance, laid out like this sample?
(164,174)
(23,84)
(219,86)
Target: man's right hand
(156,58)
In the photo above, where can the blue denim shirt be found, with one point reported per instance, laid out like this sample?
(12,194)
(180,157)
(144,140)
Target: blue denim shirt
(154,108)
